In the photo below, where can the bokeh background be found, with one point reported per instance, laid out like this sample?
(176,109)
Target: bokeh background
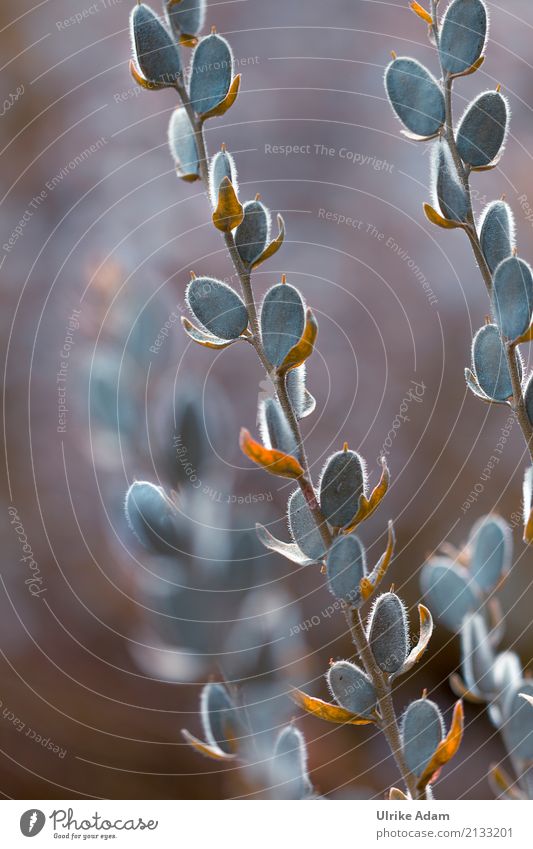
(102,668)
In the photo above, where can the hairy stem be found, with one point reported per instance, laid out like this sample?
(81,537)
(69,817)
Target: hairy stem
(388,723)
(517,403)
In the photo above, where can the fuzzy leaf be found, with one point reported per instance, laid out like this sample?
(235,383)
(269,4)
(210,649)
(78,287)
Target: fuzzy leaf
(274,246)
(422,731)
(387,633)
(182,143)
(289,766)
(463,33)
(482,130)
(217,307)
(342,482)
(153,518)
(282,321)
(273,461)
(211,73)
(415,96)
(275,429)
(497,233)
(450,194)
(490,364)
(450,592)
(222,165)
(512,297)
(156,54)
(352,689)
(447,748)
(324,710)
(186,17)
(491,544)
(252,234)
(303,527)
(346,568)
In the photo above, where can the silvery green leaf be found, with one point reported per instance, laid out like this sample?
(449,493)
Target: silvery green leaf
(289,550)
(492,547)
(497,233)
(217,307)
(222,165)
(463,34)
(220,719)
(482,130)
(301,399)
(211,73)
(507,675)
(477,657)
(346,565)
(351,688)
(282,321)
(512,297)
(342,482)
(182,143)
(253,233)
(289,776)
(449,591)
(415,96)
(303,528)
(275,429)
(153,517)
(186,17)
(450,194)
(422,729)
(387,632)
(517,728)
(490,363)
(155,52)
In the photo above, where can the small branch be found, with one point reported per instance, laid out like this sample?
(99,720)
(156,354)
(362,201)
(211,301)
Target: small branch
(389,722)
(517,405)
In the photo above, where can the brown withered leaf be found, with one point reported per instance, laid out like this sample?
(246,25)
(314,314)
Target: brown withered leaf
(436,218)
(207,340)
(229,212)
(368,505)
(228,101)
(303,349)
(206,749)
(142,81)
(426,630)
(274,245)
(421,12)
(326,710)
(368,585)
(446,749)
(397,795)
(274,461)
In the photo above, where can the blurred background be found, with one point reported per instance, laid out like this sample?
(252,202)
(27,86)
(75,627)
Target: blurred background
(103,647)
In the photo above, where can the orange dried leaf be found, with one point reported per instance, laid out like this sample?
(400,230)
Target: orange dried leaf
(447,748)
(368,505)
(206,749)
(228,101)
(274,461)
(229,212)
(327,711)
(142,81)
(303,349)
(368,585)
(421,12)
(471,70)
(436,218)
(426,630)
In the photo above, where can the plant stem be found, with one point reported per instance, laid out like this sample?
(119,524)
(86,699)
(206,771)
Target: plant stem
(517,403)
(388,722)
